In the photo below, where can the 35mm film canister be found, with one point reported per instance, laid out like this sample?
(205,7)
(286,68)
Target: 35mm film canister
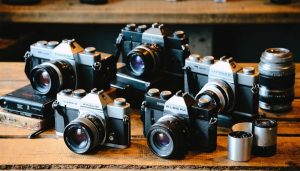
(265,137)
(239,145)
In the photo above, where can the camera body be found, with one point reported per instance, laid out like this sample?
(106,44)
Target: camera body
(52,66)
(234,87)
(154,57)
(106,122)
(189,124)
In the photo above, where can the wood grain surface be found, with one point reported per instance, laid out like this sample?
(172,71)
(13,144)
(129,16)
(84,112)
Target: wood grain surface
(149,11)
(48,151)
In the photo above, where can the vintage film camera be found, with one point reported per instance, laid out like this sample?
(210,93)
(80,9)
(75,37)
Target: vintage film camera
(89,120)
(175,123)
(153,57)
(234,88)
(51,67)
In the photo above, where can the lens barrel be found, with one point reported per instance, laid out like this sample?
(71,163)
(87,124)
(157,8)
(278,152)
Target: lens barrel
(143,60)
(221,93)
(276,80)
(50,77)
(166,137)
(84,134)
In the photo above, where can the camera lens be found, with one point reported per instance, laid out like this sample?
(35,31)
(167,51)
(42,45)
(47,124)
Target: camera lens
(220,93)
(166,137)
(137,64)
(161,140)
(78,137)
(276,79)
(42,78)
(84,133)
(144,59)
(50,77)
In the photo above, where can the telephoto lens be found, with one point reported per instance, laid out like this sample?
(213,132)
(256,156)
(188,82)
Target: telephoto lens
(265,137)
(276,80)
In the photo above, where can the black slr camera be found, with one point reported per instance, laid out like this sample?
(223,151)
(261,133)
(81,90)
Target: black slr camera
(175,123)
(89,120)
(153,57)
(235,89)
(51,67)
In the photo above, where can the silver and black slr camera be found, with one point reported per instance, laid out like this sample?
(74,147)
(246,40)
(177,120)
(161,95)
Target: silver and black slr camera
(89,120)
(153,57)
(53,66)
(234,88)
(176,123)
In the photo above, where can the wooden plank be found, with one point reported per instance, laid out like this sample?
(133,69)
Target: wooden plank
(53,151)
(23,121)
(149,11)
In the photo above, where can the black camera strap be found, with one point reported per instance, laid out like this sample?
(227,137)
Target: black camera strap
(191,83)
(62,111)
(119,43)
(28,63)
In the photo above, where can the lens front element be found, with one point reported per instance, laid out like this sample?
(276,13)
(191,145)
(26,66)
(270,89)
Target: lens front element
(78,137)
(84,133)
(166,138)
(144,59)
(137,64)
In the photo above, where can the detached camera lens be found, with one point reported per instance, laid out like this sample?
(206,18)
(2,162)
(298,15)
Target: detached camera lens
(83,134)
(50,77)
(144,59)
(166,137)
(276,80)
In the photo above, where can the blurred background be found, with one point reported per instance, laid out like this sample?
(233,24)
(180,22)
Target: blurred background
(240,28)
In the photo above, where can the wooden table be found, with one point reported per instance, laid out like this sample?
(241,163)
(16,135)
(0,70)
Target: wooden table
(149,11)
(49,151)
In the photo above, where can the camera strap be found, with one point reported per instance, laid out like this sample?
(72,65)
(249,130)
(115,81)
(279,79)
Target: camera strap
(62,111)
(28,63)
(191,83)
(119,43)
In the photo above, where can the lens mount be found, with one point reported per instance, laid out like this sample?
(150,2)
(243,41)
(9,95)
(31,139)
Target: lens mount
(143,60)
(84,133)
(50,77)
(166,137)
